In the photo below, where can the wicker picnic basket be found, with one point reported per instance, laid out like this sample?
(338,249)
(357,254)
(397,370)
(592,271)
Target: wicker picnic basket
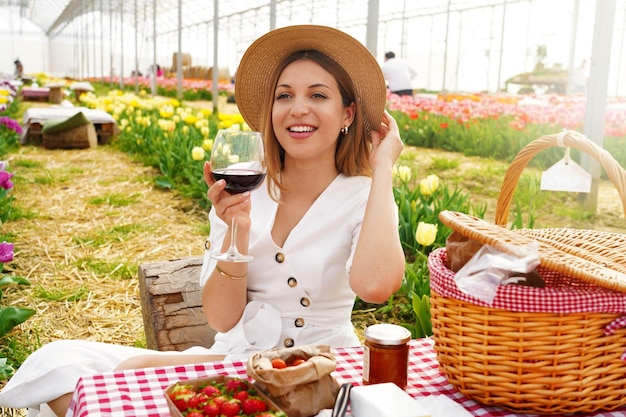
(553,350)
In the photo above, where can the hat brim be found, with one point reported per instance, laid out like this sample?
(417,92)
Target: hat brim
(261,60)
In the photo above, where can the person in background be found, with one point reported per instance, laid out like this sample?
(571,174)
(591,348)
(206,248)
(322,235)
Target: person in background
(323,228)
(158,73)
(579,78)
(399,75)
(19,68)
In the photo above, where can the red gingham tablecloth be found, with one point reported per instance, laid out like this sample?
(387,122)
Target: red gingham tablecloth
(140,392)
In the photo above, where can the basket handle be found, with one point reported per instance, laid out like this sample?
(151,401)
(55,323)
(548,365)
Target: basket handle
(571,139)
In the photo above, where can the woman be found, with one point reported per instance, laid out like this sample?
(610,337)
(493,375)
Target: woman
(322,230)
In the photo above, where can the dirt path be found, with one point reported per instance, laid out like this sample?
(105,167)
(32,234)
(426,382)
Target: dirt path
(90,218)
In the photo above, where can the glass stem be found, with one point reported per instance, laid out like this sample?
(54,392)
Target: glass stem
(232,250)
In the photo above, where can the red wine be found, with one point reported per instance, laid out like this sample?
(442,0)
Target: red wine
(239,180)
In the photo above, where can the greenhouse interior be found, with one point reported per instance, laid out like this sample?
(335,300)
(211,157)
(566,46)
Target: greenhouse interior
(456,45)
(140,139)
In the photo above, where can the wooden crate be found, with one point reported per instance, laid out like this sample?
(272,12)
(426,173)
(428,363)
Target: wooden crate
(35,93)
(104,132)
(56,95)
(171,301)
(80,137)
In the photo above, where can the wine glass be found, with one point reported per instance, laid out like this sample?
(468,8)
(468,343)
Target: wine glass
(238,158)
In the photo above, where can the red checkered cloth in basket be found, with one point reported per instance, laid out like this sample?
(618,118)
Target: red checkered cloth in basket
(561,294)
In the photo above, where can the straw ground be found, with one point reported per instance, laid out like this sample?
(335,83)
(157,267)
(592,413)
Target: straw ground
(87,219)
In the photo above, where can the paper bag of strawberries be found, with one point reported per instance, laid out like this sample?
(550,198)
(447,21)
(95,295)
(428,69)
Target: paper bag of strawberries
(297,379)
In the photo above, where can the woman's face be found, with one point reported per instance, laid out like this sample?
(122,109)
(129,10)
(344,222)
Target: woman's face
(308,111)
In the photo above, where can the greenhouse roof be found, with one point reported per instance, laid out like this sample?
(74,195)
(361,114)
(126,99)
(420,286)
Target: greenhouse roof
(52,16)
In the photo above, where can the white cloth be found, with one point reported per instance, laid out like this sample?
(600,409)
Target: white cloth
(399,74)
(309,289)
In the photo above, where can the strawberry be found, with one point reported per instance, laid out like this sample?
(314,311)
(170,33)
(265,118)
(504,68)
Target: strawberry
(211,391)
(211,409)
(220,399)
(241,395)
(252,405)
(194,414)
(181,400)
(230,408)
(197,401)
(234,385)
(180,395)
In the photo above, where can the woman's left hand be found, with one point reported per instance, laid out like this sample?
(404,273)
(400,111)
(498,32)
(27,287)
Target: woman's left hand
(386,143)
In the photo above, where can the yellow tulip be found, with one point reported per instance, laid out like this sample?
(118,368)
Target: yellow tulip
(402,172)
(429,184)
(197,153)
(166,112)
(426,233)
(190,119)
(224,124)
(166,125)
(207,145)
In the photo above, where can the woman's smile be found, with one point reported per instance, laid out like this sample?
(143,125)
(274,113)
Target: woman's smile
(301,131)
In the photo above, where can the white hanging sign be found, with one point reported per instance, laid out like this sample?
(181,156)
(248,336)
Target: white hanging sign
(566,175)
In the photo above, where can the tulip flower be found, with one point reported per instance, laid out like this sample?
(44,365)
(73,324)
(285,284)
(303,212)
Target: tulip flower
(197,153)
(403,172)
(6,252)
(429,184)
(426,233)
(207,144)
(5,180)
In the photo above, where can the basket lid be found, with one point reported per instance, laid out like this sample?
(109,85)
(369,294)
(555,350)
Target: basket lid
(592,256)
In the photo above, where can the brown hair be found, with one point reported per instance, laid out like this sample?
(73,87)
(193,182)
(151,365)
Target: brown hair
(353,149)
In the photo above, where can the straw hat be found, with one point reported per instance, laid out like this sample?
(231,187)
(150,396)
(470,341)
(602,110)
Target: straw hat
(262,58)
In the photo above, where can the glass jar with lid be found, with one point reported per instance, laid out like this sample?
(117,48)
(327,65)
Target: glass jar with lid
(386,354)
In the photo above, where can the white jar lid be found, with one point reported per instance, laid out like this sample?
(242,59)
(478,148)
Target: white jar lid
(387,334)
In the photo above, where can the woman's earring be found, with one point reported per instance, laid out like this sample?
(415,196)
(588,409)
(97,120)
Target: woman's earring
(344,130)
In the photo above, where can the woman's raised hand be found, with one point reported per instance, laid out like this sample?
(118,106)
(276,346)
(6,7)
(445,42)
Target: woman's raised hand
(386,143)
